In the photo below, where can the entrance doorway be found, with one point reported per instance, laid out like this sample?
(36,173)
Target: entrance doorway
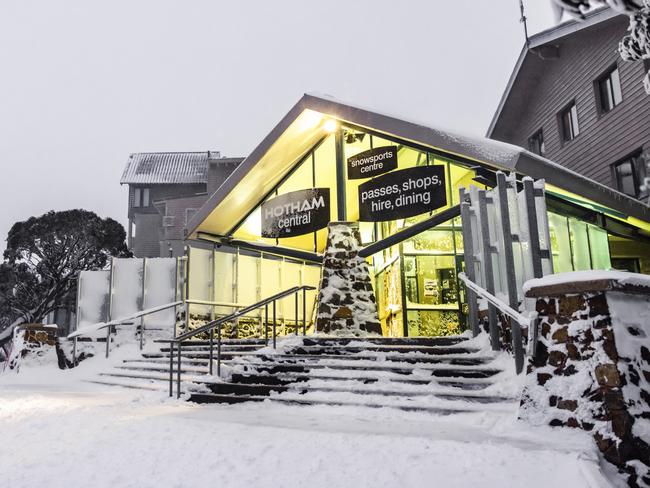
(417,287)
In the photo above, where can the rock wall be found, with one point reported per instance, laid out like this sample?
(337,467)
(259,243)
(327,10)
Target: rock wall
(346,300)
(591,368)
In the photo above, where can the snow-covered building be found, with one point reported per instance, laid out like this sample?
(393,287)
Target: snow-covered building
(332,161)
(572,99)
(165,189)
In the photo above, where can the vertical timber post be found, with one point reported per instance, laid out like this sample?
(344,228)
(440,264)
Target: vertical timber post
(468,249)
(511,280)
(488,270)
(533,227)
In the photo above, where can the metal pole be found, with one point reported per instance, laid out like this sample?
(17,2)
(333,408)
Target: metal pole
(171,369)
(488,269)
(211,351)
(178,371)
(74,352)
(511,279)
(186,287)
(108,339)
(296,315)
(304,311)
(219,350)
(340,175)
(266,324)
(144,277)
(468,249)
(274,324)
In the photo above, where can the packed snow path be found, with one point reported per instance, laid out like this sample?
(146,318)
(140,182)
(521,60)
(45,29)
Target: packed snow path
(60,431)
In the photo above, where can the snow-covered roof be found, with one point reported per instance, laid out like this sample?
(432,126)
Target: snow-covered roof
(297,133)
(168,167)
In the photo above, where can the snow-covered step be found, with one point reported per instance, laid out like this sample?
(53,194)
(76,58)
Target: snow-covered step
(301,400)
(445,370)
(160,367)
(143,375)
(134,383)
(392,390)
(363,377)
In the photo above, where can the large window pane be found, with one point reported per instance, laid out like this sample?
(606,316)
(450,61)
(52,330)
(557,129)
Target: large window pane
(560,243)
(579,245)
(599,247)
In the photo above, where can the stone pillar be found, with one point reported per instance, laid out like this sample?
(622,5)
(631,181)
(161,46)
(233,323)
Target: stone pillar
(591,368)
(346,300)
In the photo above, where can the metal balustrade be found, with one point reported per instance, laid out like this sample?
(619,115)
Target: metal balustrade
(128,320)
(518,319)
(176,344)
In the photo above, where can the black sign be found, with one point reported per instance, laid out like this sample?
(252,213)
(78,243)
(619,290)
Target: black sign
(402,194)
(296,213)
(373,162)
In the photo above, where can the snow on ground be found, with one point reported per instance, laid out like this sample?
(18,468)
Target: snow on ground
(59,431)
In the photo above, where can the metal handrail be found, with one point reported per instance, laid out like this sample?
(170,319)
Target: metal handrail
(129,320)
(530,321)
(216,324)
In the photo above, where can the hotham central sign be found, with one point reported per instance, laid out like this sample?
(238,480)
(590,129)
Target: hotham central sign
(402,194)
(296,213)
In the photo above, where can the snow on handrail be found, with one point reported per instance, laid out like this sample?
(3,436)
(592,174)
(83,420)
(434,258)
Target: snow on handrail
(522,320)
(122,320)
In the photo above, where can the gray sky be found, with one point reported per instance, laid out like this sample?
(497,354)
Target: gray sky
(84,83)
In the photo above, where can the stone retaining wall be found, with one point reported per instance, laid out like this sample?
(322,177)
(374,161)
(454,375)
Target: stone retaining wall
(591,368)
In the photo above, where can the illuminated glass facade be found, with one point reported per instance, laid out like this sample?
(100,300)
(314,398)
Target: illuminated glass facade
(416,280)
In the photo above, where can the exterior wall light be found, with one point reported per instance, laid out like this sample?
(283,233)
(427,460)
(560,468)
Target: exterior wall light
(330,126)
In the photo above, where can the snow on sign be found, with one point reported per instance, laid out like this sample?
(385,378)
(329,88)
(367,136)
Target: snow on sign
(296,213)
(402,194)
(373,162)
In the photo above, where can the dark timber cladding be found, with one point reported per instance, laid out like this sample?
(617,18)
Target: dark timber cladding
(557,71)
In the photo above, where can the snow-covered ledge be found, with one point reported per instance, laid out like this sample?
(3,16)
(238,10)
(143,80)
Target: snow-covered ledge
(591,368)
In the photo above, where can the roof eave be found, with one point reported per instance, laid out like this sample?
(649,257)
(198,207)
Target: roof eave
(244,167)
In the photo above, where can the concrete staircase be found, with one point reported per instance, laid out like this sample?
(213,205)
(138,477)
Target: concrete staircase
(441,375)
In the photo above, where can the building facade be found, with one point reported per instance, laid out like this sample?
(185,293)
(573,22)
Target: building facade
(165,189)
(400,182)
(572,99)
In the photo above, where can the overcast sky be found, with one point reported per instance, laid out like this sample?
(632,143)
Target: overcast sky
(84,83)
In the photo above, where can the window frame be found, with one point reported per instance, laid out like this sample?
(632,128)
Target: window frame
(634,158)
(606,77)
(567,109)
(141,195)
(537,136)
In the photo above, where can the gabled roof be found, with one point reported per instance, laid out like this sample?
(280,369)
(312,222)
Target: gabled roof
(168,167)
(301,128)
(551,36)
